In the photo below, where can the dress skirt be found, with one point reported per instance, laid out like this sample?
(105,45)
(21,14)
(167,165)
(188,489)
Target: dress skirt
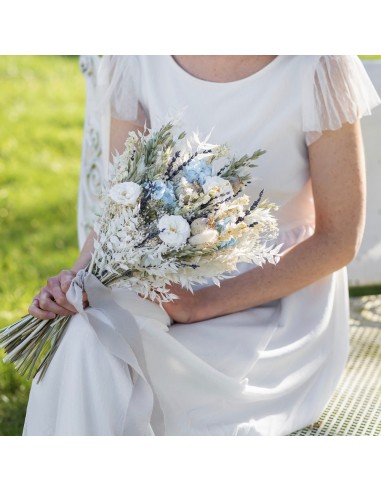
(268,370)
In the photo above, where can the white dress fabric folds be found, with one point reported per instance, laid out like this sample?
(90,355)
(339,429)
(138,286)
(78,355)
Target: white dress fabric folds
(342,92)
(122,367)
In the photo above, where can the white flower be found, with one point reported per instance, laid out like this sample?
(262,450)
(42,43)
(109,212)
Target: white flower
(208,236)
(199,225)
(262,216)
(217,186)
(174,229)
(125,193)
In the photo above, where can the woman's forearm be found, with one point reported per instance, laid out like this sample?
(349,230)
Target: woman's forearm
(85,255)
(302,265)
(337,167)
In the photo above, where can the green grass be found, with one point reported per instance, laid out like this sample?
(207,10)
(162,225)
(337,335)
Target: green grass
(41,122)
(370,57)
(365,290)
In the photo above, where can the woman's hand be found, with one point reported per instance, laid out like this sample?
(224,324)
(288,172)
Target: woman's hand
(182,310)
(51,299)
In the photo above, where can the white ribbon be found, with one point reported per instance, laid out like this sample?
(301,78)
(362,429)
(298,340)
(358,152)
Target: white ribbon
(124,343)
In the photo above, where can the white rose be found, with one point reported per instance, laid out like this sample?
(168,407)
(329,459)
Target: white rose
(175,230)
(199,225)
(217,185)
(125,193)
(209,236)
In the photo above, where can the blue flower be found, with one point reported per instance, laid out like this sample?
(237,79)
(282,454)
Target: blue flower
(226,244)
(198,171)
(222,224)
(163,191)
(158,189)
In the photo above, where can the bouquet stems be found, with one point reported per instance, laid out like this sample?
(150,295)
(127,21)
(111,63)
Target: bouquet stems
(25,340)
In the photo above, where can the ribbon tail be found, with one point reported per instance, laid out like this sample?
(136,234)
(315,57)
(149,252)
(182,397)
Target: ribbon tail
(119,332)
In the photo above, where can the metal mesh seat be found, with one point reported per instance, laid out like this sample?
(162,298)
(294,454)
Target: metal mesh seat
(355,407)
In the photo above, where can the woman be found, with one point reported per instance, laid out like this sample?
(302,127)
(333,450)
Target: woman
(262,354)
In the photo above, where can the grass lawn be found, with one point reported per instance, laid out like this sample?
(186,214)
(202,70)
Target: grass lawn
(370,57)
(41,120)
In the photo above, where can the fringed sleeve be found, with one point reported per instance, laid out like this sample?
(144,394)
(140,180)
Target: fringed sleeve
(338,91)
(119,87)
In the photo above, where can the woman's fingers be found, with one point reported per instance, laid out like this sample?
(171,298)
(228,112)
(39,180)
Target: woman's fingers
(65,278)
(52,298)
(59,297)
(35,311)
(48,302)
(85,300)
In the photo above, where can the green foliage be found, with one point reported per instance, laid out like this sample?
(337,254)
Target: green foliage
(365,290)
(370,57)
(41,122)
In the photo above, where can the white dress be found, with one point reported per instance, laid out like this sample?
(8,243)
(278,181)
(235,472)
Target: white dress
(269,370)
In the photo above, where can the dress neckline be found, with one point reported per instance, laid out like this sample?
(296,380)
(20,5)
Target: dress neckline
(197,80)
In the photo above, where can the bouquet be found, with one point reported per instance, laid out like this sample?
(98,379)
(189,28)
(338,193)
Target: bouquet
(173,212)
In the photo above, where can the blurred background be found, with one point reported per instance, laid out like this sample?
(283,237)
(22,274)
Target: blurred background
(42,117)
(42,100)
